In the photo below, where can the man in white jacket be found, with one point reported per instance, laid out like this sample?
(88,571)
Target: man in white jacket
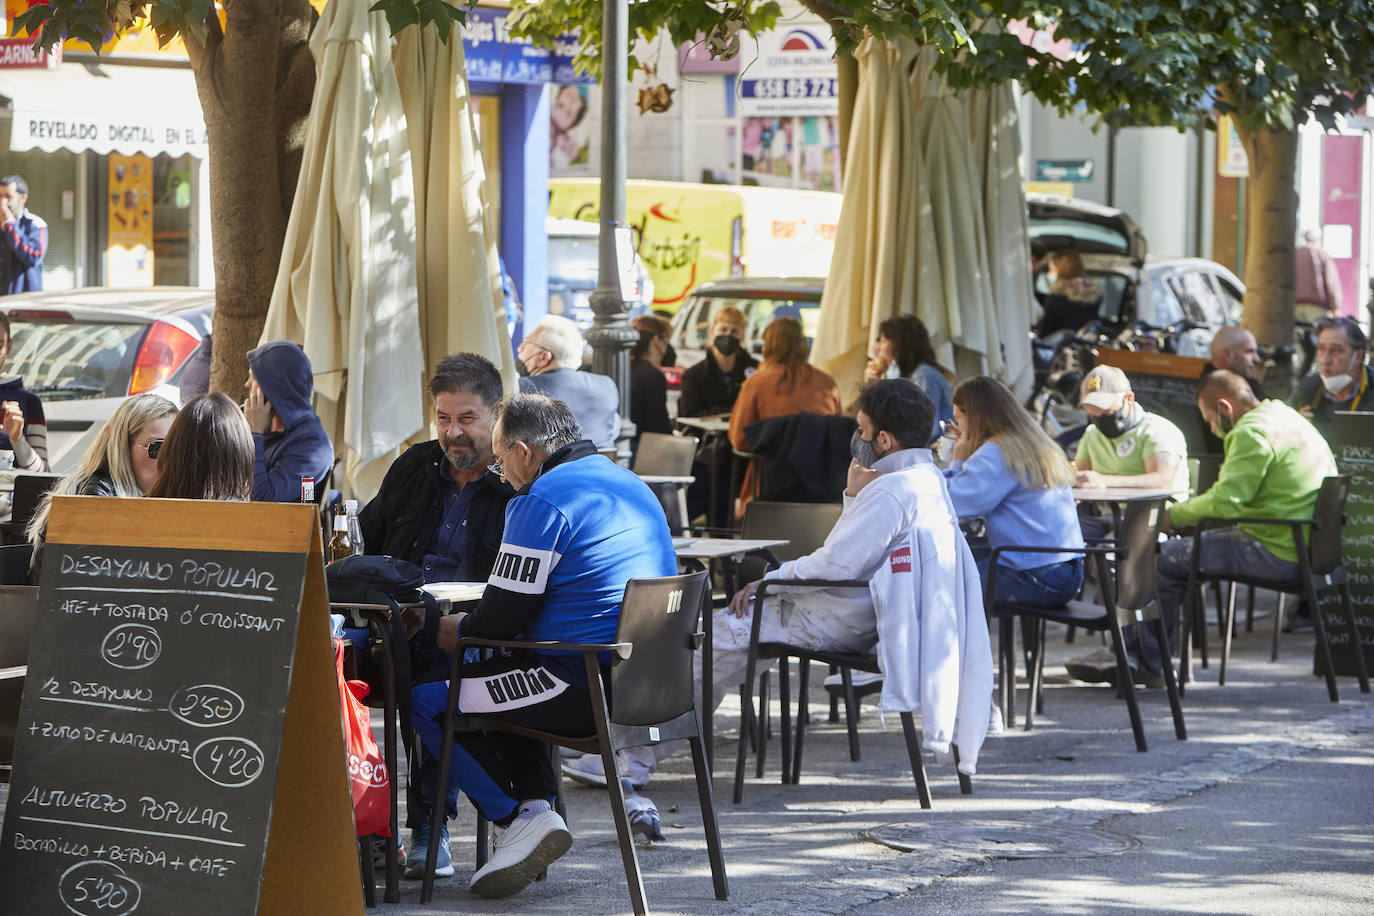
(899,532)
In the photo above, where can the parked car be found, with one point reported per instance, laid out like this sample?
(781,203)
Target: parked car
(83,351)
(761,299)
(1180,301)
(573,268)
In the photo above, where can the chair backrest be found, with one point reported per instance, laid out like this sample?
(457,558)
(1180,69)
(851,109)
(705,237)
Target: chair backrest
(18,612)
(28,491)
(1136,579)
(1328,517)
(658,617)
(804,525)
(660,454)
(14,565)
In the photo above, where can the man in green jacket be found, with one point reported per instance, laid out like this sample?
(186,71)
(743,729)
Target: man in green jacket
(1275,463)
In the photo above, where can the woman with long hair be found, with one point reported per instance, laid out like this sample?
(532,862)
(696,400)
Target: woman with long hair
(1073,298)
(648,387)
(208,453)
(1007,471)
(783,384)
(122,461)
(903,350)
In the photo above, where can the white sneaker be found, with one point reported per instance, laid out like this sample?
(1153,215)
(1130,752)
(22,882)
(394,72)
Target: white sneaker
(525,849)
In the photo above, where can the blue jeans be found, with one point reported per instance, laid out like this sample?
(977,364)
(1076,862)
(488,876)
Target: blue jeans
(1223,550)
(1043,586)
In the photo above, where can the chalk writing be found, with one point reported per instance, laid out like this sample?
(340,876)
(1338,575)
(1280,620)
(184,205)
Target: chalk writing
(229,762)
(206,705)
(131,646)
(98,888)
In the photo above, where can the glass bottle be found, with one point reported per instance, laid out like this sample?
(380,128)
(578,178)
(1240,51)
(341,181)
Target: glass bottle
(338,544)
(354,527)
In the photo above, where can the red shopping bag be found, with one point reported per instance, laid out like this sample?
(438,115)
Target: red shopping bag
(367,772)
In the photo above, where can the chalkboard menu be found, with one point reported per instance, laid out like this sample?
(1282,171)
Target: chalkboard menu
(1352,441)
(1164,384)
(152,726)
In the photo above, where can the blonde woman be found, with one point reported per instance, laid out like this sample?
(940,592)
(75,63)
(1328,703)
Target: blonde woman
(1074,297)
(122,461)
(1007,471)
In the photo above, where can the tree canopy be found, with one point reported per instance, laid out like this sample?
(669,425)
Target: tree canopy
(1172,62)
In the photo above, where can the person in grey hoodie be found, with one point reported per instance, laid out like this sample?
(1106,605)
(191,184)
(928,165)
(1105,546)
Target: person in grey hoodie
(288,441)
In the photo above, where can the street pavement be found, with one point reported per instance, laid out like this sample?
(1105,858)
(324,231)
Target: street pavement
(1267,807)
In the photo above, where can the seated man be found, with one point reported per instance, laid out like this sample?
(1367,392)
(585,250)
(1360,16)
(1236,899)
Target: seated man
(899,532)
(288,440)
(1126,445)
(1342,381)
(440,508)
(581,527)
(550,358)
(1275,463)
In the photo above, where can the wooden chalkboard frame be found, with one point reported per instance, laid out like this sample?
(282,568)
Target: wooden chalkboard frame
(311,861)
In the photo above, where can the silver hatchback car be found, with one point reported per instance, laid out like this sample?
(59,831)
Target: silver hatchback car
(83,351)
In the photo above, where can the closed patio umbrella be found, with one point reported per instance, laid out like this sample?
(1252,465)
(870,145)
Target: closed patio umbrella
(997,153)
(884,263)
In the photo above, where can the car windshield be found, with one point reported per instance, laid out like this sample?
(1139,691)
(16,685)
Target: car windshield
(572,256)
(66,360)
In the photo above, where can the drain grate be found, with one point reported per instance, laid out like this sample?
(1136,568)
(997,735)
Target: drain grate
(1003,839)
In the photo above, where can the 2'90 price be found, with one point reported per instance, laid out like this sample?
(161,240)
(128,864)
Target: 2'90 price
(131,646)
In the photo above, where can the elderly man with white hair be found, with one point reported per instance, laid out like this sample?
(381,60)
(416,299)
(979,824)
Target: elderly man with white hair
(549,359)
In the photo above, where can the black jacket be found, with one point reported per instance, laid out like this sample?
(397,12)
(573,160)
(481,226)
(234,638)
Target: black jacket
(648,399)
(401,518)
(707,390)
(804,456)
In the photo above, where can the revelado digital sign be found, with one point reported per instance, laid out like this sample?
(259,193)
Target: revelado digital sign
(63,130)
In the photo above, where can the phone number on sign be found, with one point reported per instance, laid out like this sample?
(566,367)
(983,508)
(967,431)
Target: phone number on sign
(793,88)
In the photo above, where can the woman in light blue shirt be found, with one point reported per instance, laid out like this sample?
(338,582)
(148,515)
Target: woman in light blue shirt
(904,348)
(1011,474)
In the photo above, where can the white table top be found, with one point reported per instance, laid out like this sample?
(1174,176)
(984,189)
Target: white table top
(666,478)
(706,424)
(456,591)
(1123,494)
(716,548)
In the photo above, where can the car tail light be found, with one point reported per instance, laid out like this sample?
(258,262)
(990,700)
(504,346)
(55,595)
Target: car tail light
(39,315)
(165,348)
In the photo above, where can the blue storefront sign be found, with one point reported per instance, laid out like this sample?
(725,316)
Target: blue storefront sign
(495,56)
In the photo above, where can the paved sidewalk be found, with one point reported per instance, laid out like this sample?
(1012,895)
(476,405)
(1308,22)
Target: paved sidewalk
(1267,807)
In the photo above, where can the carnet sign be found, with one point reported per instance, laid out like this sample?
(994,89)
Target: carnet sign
(152,728)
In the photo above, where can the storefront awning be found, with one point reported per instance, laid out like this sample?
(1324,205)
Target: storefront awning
(105,108)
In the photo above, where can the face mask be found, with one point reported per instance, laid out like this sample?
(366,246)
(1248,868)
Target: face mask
(1111,424)
(863,451)
(1337,383)
(726,344)
(1225,424)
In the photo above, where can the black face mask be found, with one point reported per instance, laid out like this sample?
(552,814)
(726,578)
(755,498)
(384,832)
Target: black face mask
(726,345)
(1112,424)
(862,450)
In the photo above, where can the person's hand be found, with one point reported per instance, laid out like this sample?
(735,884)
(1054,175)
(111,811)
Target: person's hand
(743,602)
(6,214)
(962,449)
(257,410)
(1090,479)
(13,421)
(447,636)
(414,618)
(859,477)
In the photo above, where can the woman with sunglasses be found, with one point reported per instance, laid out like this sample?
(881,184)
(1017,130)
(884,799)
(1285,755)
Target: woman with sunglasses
(122,461)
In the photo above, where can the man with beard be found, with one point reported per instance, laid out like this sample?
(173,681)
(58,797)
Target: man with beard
(441,509)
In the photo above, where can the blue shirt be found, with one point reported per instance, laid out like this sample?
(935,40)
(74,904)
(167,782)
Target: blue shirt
(444,558)
(1015,514)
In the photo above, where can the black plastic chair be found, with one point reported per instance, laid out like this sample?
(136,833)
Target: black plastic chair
(652,700)
(845,662)
(1133,600)
(1321,566)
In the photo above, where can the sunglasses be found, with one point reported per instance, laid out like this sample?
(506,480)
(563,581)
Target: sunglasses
(153,448)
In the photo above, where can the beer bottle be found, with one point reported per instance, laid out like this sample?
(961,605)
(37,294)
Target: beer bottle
(338,543)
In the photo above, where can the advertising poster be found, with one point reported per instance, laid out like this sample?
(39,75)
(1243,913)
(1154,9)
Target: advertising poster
(129,231)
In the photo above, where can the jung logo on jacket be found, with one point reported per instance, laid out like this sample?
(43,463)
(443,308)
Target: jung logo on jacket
(900,559)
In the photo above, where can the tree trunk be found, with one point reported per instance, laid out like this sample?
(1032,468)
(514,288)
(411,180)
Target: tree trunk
(1271,220)
(847,82)
(255,79)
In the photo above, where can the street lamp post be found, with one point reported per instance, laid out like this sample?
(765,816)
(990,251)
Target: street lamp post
(611,335)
